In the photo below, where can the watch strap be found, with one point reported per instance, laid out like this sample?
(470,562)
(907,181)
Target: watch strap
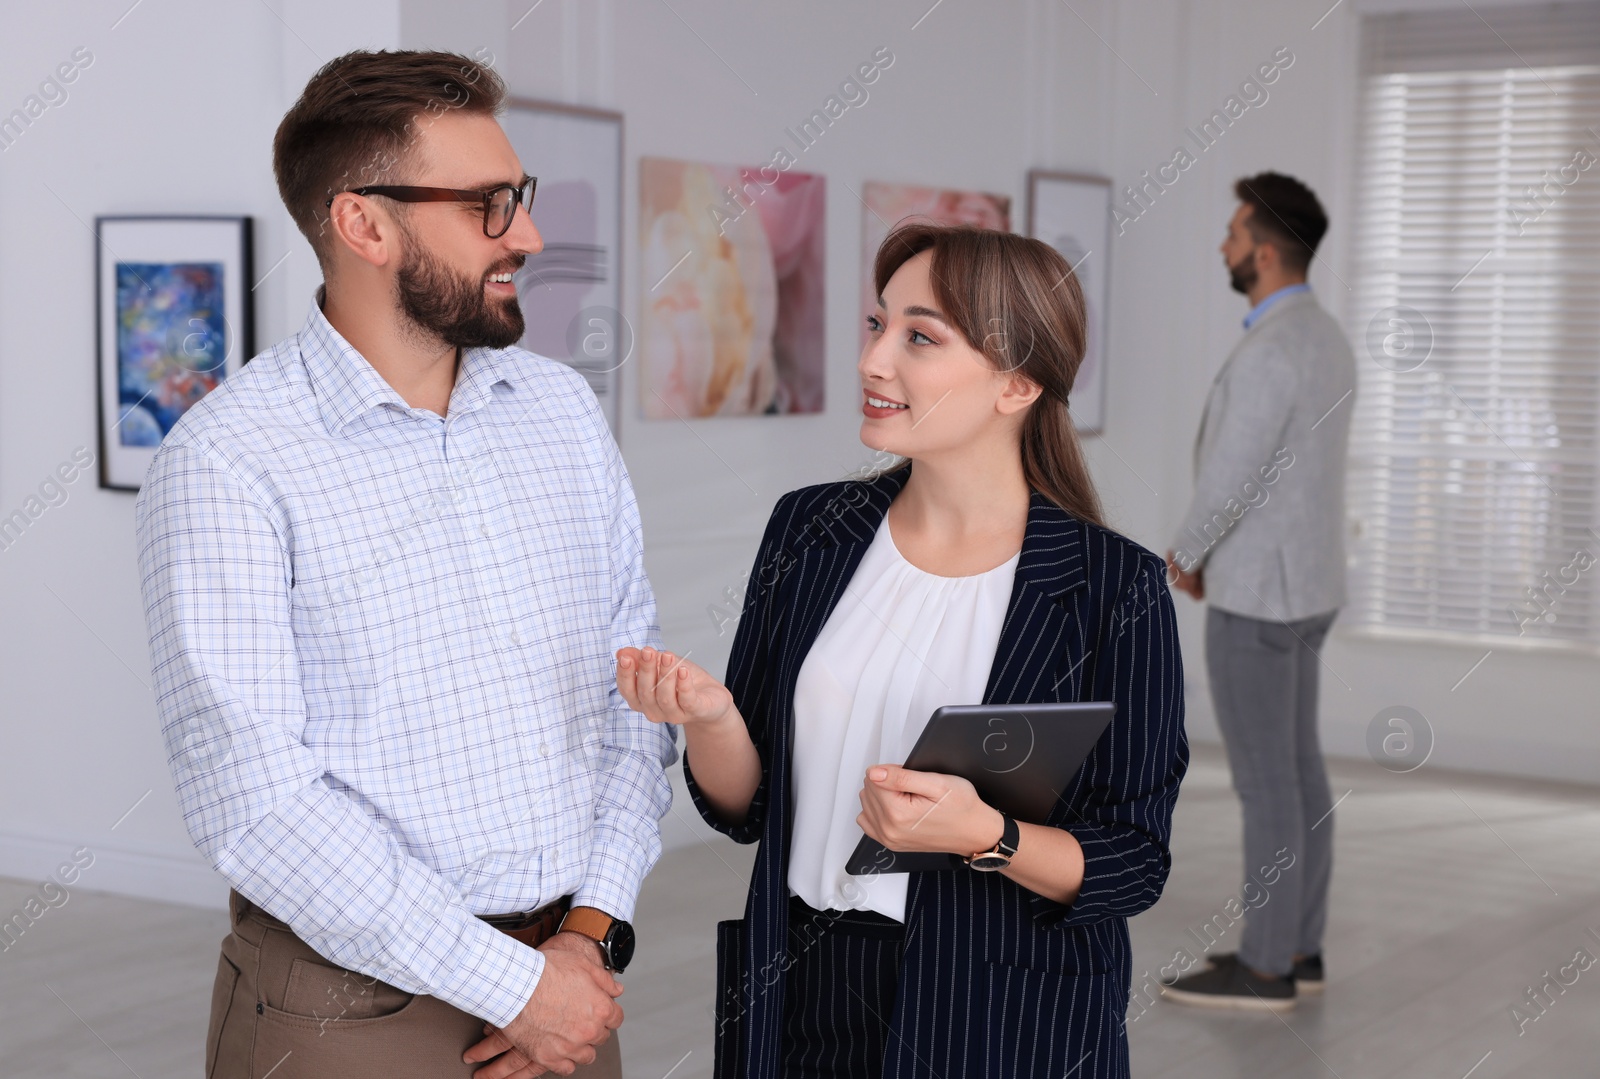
(1010,836)
(589,922)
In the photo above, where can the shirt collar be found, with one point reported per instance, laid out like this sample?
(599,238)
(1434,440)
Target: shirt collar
(347,386)
(1261,308)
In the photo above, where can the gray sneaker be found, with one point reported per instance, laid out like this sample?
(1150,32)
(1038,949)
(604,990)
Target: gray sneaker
(1229,984)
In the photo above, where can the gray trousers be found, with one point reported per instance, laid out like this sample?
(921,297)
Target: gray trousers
(1264,677)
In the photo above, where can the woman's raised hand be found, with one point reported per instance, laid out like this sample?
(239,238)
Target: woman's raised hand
(668,689)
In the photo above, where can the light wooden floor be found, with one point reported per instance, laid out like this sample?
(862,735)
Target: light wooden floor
(1452,895)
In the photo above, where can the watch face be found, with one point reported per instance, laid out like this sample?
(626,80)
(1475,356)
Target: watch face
(620,942)
(989,861)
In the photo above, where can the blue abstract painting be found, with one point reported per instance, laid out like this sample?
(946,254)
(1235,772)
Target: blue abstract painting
(171,344)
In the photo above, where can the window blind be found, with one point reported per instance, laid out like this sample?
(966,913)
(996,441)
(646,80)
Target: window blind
(1474,467)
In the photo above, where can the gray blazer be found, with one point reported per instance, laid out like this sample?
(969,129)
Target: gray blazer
(1267,517)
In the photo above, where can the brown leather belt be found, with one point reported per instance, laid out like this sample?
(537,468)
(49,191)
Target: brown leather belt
(532,927)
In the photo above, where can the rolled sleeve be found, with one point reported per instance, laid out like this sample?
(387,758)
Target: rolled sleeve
(1125,824)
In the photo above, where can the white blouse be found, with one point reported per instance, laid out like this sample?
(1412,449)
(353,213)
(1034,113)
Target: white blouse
(900,643)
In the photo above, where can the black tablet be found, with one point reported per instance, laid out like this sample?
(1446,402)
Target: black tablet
(1019,757)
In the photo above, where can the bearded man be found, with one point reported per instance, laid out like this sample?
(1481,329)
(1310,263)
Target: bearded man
(1262,544)
(386,568)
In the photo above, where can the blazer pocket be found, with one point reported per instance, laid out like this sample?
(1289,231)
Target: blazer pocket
(1039,1025)
(1085,955)
(731,1000)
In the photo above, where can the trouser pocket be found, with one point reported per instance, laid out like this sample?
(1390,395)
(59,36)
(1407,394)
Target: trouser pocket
(292,1014)
(426,1037)
(315,1020)
(232,1030)
(221,1004)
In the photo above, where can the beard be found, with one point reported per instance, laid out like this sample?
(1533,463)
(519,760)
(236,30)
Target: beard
(1243,276)
(454,307)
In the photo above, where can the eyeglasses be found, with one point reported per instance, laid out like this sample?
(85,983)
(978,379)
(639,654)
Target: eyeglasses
(499,202)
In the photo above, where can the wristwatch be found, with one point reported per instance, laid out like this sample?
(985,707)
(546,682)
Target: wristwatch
(1000,855)
(614,935)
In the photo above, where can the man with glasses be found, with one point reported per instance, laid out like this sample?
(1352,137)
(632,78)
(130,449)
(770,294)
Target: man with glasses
(386,569)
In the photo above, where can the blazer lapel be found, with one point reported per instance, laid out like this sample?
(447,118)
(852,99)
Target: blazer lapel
(830,548)
(1211,394)
(1035,660)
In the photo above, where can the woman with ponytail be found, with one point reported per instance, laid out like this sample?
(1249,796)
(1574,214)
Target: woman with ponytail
(977,570)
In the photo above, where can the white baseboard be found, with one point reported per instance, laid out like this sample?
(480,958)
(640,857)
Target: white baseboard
(124,871)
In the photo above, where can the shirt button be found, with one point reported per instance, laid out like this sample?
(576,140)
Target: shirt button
(483,530)
(514,637)
(544,749)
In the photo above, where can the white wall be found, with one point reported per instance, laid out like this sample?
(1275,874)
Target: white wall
(175,115)
(177,112)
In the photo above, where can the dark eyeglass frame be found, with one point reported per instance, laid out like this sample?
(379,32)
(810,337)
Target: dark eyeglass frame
(523,191)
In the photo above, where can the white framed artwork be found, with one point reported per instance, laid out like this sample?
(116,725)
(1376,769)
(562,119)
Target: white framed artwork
(1072,213)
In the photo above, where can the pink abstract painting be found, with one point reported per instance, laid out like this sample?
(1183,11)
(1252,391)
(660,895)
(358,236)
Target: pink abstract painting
(889,204)
(731,290)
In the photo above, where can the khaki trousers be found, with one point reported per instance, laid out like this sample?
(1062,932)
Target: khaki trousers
(278,1007)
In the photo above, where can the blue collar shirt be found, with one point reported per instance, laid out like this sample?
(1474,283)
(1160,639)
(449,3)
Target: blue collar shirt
(1268,301)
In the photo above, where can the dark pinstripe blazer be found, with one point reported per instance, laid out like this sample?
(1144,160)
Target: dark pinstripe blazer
(997,980)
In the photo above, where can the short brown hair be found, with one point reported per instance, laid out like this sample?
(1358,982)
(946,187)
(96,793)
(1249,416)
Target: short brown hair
(357,119)
(1017,301)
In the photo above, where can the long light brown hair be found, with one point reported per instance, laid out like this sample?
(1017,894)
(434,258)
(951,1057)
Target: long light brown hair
(1017,302)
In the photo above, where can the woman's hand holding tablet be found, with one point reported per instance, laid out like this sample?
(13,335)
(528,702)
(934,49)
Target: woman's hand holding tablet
(906,810)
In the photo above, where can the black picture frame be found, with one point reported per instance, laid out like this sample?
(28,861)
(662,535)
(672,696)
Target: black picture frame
(176,249)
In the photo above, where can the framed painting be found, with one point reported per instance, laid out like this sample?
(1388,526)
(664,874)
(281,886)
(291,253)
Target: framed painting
(886,205)
(571,292)
(730,290)
(1072,213)
(173,319)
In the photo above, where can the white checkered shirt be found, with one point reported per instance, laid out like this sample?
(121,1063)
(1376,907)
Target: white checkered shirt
(383,644)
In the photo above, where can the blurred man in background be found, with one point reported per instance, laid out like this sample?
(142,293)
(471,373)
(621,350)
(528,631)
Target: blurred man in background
(1262,545)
